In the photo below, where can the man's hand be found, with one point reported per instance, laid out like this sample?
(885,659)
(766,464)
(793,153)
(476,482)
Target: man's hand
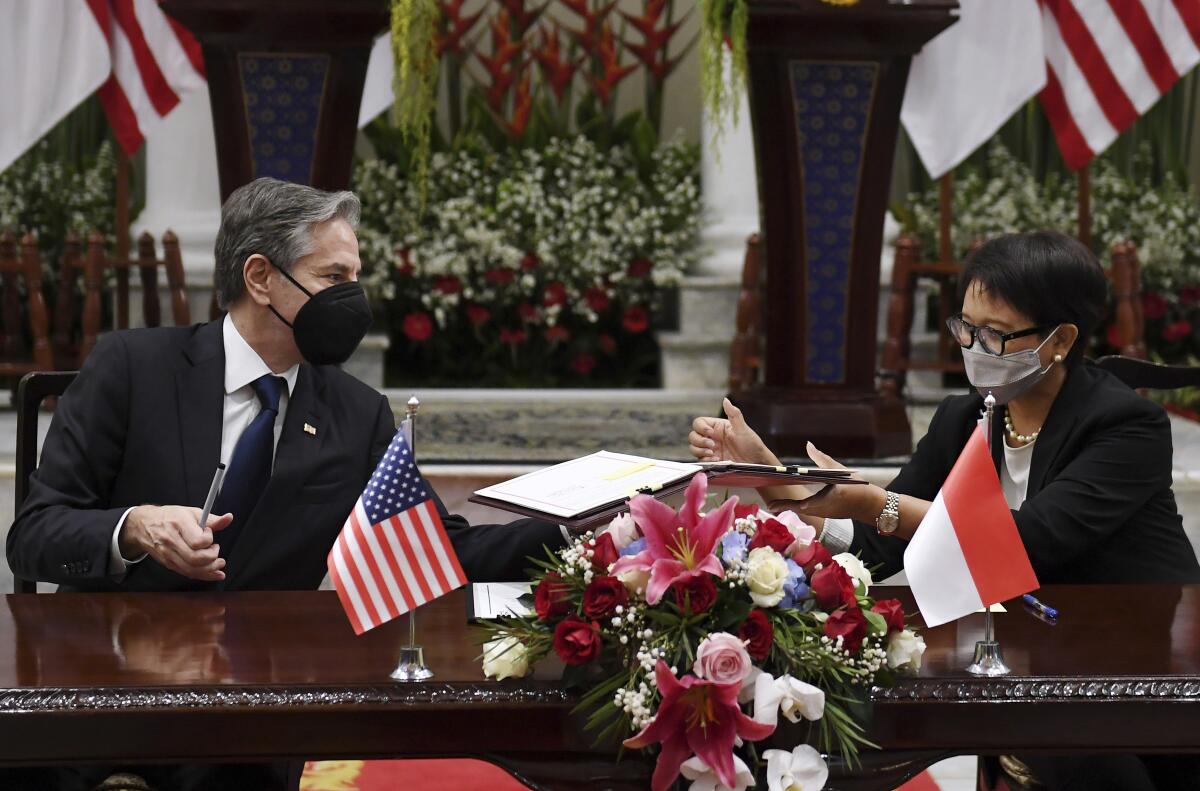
(171,535)
(716,439)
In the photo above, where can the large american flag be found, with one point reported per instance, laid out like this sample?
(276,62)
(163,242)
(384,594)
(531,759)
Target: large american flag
(1107,62)
(392,554)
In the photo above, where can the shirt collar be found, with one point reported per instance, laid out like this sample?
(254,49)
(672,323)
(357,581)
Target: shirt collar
(242,363)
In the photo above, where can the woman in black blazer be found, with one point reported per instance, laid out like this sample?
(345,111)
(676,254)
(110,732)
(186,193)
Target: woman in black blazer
(1094,456)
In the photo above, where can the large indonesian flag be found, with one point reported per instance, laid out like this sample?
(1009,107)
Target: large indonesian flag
(967,552)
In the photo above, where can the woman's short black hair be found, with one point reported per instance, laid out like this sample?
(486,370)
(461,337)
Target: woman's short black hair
(1046,275)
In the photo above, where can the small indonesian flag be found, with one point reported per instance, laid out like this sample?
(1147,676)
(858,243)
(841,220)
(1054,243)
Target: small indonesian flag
(967,552)
(392,555)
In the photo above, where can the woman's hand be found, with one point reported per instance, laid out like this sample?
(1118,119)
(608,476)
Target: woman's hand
(837,502)
(718,439)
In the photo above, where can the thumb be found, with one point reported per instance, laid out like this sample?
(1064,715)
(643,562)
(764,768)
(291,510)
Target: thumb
(823,460)
(736,420)
(219,522)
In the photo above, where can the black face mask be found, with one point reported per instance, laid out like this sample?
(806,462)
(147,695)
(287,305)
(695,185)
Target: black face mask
(329,327)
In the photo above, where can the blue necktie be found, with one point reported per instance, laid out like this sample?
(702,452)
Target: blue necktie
(250,468)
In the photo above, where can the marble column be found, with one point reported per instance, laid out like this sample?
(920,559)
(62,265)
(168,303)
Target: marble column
(182,195)
(730,188)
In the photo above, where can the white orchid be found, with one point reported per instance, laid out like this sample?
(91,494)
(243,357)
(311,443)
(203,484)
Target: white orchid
(705,779)
(803,769)
(785,694)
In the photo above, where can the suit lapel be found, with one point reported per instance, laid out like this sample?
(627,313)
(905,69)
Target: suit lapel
(295,458)
(1064,413)
(200,393)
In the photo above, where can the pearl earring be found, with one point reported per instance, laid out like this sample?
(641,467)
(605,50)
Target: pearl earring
(1058,358)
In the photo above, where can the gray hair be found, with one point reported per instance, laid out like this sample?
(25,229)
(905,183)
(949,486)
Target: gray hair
(274,219)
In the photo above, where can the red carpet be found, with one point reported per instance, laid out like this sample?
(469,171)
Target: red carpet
(443,775)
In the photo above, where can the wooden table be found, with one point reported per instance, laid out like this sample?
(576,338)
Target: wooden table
(238,676)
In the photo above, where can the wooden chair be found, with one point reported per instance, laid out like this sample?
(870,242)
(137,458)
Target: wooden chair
(33,389)
(745,353)
(1124,273)
(16,266)
(1145,375)
(93,264)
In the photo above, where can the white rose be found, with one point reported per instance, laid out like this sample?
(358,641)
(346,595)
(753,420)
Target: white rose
(803,769)
(905,648)
(857,571)
(506,657)
(635,581)
(766,571)
(623,531)
(792,696)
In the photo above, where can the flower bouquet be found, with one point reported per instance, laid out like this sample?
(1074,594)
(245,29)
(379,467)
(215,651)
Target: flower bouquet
(696,631)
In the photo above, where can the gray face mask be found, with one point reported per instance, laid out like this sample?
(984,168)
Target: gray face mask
(1006,377)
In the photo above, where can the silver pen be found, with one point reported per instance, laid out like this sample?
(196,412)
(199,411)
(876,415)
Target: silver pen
(218,476)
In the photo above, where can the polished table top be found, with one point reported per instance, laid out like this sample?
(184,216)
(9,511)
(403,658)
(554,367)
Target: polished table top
(281,674)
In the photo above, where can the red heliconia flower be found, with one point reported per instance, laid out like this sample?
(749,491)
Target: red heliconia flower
(522,107)
(655,40)
(589,37)
(519,14)
(455,27)
(695,716)
(503,64)
(612,73)
(556,71)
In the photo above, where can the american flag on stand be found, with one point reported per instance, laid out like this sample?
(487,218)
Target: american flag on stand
(393,554)
(1109,62)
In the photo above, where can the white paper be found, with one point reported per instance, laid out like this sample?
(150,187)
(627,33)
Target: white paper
(498,599)
(580,485)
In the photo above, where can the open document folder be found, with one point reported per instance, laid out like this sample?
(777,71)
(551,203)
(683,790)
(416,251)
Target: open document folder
(593,489)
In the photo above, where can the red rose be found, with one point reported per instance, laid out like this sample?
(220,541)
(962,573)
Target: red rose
(695,594)
(849,624)
(477,314)
(1153,305)
(832,587)
(597,299)
(529,262)
(607,344)
(604,552)
(551,597)
(577,641)
(640,267)
(636,319)
(500,276)
(1113,336)
(892,612)
(603,596)
(773,534)
(555,294)
(527,312)
(1189,295)
(448,284)
(557,334)
(758,634)
(1177,331)
(583,363)
(403,262)
(418,327)
(811,556)
(514,337)
(743,510)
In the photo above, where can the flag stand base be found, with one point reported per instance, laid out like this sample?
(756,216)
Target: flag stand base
(412,665)
(989,660)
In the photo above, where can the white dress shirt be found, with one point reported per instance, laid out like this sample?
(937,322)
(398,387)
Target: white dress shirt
(241,405)
(1014,473)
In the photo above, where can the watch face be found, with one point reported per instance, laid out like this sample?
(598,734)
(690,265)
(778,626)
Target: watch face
(888,523)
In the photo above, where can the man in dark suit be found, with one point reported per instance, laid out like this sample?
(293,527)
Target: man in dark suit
(137,438)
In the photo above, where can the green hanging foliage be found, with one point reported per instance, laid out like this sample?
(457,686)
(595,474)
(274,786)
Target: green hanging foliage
(721,18)
(414,47)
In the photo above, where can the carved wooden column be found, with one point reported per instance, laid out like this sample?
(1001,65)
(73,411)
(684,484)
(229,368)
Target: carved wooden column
(285,79)
(826,83)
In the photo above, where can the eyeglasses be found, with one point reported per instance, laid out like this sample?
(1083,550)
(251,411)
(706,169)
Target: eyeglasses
(992,340)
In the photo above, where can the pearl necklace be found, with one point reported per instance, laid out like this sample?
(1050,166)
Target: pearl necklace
(1012,432)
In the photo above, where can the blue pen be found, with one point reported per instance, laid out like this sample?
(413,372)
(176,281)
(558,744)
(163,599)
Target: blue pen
(1045,610)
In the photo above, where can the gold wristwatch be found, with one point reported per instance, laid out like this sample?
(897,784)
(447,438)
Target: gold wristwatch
(889,518)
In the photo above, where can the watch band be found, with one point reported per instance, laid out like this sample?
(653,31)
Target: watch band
(889,518)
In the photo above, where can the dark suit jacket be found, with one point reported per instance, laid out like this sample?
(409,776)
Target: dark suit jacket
(142,424)
(1099,507)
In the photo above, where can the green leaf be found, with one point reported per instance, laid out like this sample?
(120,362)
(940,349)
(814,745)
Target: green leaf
(875,622)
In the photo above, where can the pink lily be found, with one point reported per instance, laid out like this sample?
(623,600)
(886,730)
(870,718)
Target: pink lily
(678,547)
(695,716)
